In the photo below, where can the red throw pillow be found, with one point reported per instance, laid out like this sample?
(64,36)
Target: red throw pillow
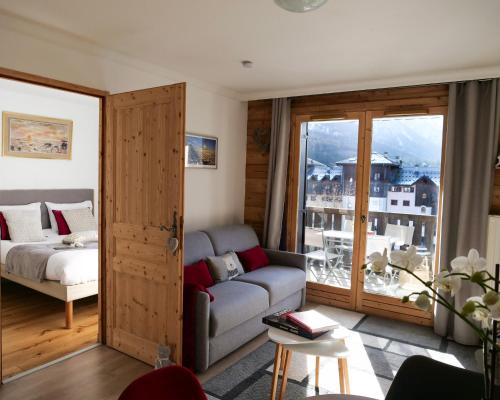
(198,274)
(62,225)
(4,229)
(253,258)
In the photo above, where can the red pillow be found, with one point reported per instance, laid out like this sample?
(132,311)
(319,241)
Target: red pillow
(62,225)
(4,229)
(198,274)
(253,258)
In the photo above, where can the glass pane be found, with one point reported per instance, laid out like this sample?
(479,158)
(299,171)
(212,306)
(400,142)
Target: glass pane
(329,178)
(404,196)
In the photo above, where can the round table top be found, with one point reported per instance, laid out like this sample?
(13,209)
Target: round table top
(286,338)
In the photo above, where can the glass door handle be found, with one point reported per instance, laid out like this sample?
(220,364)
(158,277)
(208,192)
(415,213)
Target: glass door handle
(363,219)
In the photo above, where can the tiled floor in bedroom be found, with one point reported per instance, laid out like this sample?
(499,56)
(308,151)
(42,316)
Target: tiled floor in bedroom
(379,348)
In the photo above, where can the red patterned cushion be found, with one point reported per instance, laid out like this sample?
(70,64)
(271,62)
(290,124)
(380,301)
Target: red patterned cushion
(62,225)
(253,258)
(198,274)
(4,229)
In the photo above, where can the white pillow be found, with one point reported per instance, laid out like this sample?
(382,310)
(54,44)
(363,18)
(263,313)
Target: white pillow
(80,220)
(64,206)
(24,225)
(31,206)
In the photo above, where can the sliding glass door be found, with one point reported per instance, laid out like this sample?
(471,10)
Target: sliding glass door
(330,204)
(402,206)
(369,182)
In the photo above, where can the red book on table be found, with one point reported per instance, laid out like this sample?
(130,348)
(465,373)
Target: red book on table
(312,321)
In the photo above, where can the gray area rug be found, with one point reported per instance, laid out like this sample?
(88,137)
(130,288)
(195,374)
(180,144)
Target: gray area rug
(383,345)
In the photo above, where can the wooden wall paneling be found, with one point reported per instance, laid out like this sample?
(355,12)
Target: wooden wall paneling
(145,175)
(257,160)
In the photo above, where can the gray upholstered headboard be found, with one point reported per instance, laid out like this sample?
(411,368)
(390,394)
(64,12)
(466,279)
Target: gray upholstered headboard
(26,196)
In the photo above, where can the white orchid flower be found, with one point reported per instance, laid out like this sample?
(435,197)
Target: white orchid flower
(470,264)
(408,259)
(480,313)
(379,261)
(451,284)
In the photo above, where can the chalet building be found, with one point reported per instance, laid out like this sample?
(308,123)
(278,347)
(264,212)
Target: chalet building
(394,187)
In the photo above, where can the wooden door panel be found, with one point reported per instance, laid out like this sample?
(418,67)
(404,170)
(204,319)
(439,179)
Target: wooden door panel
(145,168)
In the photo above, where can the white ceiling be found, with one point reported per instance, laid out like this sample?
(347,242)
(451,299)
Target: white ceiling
(345,44)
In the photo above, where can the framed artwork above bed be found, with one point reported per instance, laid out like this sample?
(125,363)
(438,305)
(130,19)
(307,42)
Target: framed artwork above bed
(34,136)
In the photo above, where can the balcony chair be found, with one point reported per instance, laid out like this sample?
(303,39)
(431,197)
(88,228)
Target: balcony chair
(338,256)
(400,234)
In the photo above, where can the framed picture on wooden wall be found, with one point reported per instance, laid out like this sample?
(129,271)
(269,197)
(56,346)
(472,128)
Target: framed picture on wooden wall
(201,151)
(33,136)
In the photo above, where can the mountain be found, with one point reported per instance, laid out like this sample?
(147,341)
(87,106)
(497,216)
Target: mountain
(416,140)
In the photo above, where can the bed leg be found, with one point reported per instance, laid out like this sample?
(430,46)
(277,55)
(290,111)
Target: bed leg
(69,314)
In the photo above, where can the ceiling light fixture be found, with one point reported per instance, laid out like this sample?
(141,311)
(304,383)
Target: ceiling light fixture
(300,6)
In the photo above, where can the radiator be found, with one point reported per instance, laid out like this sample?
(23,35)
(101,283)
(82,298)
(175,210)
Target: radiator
(493,246)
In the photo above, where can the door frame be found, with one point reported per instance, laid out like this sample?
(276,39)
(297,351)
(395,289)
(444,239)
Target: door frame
(390,102)
(102,96)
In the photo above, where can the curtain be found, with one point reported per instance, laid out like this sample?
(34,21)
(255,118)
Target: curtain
(277,173)
(471,149)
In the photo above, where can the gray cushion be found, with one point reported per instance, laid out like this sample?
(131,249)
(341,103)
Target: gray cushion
(232,238)
(225,267)
(234,303)
(197,247)
(279,281)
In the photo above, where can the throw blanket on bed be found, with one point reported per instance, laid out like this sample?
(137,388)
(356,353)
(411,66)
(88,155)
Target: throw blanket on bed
(30,260)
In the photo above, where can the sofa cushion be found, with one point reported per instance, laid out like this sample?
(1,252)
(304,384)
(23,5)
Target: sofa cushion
(253,258)
(279,281)
(197,247)
(235,303)
(232,238)
(198,274)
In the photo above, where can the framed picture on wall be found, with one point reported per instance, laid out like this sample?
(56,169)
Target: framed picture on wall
(33,136)
(201,151)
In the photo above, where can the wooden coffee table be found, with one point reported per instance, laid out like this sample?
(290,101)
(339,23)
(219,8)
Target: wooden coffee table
(331,344)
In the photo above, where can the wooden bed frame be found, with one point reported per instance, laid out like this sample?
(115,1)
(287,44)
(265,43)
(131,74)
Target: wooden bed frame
(51,288)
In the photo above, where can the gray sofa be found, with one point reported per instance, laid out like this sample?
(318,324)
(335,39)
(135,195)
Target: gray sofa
(235,315)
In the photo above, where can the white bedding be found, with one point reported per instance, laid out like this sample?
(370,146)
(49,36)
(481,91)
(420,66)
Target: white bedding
(67,267)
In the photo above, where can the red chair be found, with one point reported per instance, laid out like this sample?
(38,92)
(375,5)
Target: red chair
(169,383)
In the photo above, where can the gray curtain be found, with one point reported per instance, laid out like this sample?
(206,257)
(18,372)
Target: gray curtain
(277,173)
(471,149)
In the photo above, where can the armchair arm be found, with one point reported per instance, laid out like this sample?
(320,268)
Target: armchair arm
(202,327)
(287,259)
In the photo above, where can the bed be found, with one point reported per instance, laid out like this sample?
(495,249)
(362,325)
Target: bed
(70,275)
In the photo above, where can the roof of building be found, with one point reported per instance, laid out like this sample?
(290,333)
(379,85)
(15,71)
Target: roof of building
(408,176)
(377,159)
(321,171)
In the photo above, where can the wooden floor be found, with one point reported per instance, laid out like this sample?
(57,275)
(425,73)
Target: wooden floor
(97,374)
(33,330)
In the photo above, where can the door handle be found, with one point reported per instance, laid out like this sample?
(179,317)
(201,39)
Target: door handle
(363,219)
(172,242)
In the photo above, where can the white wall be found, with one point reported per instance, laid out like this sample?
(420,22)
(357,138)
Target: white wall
(82,171)
(212,197)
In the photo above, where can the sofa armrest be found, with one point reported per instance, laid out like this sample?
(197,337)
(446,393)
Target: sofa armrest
(202,327)
(287,259)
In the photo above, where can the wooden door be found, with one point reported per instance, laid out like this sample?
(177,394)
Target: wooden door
(144,187)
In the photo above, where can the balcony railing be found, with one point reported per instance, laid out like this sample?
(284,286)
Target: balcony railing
(424,235)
